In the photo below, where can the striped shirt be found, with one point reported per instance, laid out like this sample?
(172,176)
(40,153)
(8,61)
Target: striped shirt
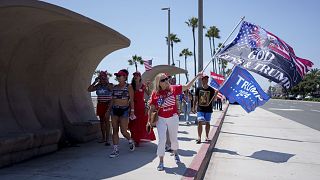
(103,93)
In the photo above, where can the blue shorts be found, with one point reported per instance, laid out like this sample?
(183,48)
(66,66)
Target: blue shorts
(120,111)
(204,116)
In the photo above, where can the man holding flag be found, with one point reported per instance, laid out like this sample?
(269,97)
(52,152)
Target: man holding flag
(203,101)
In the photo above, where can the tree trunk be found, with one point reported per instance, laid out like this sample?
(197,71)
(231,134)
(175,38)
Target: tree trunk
(194,53)
(172,54)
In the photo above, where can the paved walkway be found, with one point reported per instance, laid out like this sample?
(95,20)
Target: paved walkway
(263,145)
(91,161)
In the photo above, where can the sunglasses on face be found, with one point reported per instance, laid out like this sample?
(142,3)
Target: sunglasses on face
(165,79)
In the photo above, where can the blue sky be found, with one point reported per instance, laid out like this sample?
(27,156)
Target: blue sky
(145,24)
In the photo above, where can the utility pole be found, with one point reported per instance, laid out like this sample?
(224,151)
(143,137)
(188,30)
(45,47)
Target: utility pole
(168,39)
(200,38)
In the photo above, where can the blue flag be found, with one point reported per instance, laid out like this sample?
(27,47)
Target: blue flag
(243,88)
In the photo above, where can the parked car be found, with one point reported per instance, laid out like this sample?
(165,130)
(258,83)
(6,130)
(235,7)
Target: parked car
(291,97)
(308,97)
(299,97)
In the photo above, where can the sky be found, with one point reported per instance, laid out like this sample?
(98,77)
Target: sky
(146,25)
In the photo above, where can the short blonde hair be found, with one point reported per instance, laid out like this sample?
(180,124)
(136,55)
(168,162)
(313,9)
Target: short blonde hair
(156,82)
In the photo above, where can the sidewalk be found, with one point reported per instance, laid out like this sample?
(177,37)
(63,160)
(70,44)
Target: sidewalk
(91,160)
(263,145)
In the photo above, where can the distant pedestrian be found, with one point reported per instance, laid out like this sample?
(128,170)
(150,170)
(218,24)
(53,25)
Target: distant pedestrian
(137,126)
(164,99)
(122,110)
(203,102)
(104,95)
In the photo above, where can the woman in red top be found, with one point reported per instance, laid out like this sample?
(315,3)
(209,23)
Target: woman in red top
(164,99)
(138,126)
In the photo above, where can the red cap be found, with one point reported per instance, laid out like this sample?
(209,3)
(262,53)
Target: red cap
(137,73)
(121,73)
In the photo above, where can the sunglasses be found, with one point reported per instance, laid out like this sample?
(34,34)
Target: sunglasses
(165,79)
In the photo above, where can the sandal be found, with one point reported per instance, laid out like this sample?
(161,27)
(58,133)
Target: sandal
(198,141)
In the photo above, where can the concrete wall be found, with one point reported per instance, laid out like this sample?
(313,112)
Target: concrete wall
(47,57)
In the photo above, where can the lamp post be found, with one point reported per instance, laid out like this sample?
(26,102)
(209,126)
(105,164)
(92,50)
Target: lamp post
(168,40)
(179,67)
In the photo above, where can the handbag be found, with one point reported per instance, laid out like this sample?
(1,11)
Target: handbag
(154,118)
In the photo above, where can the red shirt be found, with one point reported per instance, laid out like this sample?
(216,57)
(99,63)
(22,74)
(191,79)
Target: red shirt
(168,107)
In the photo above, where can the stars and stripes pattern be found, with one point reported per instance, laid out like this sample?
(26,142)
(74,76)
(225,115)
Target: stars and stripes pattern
(256,37)
(147,64)
(168,101)
(219,80)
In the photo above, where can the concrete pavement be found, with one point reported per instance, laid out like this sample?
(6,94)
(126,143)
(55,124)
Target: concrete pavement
(91,161)
(263,145)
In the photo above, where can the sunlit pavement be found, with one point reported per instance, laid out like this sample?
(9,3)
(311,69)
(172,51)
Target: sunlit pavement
(91,160)
(263,145)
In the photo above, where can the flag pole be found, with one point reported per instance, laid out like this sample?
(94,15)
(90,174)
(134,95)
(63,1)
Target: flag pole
(242,18)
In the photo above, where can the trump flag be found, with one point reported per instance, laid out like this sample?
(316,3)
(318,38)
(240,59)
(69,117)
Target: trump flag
(260,51)
(243,88)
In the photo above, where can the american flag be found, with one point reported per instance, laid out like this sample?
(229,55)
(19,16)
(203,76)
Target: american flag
(219,79)
(147,64)
(169,101)
(256,37)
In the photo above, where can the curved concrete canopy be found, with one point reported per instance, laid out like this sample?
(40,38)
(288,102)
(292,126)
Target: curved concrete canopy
(47,57)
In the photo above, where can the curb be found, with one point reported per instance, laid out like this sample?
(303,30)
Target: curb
(200,162)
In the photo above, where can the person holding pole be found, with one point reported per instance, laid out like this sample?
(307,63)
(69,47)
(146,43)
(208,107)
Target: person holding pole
(204,97)
(164,99)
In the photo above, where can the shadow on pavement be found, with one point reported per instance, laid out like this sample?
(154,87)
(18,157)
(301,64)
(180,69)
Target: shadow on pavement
(186,139)
(225,151)
(272,156)
(176,170)
(91,161)
(186,153)
(183,132)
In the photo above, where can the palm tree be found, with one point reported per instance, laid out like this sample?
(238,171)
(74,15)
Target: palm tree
(135,60)
(215,34)
(222,63)
(208,35)
(193,23)
(173,39)
(185,52)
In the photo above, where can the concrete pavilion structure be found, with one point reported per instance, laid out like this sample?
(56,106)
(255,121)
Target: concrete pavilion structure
(47,57)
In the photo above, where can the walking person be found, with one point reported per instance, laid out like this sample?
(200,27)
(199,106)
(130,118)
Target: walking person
(104,95)
(203,102)
(122,110)
(137,126)
(163,98)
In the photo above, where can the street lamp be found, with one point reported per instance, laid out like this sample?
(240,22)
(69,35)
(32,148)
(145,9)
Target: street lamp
(168,9)
(179,67)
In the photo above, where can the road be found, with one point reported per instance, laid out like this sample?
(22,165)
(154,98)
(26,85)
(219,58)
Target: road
(304,112)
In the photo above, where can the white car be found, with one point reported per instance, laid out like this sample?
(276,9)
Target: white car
(308,97)
(299,97)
